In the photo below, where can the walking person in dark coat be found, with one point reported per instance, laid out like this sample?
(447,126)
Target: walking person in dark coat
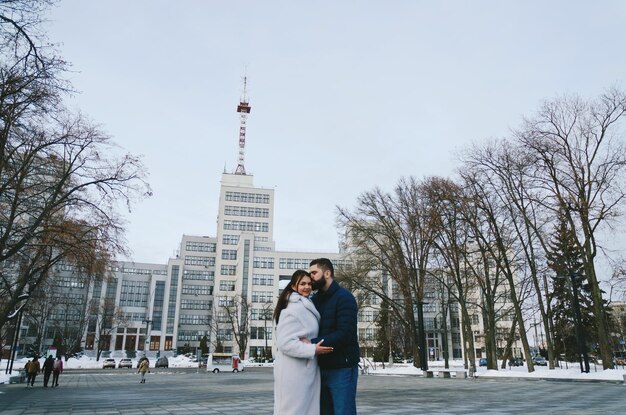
(56,371)
(47,370)
(338,328)
(33,369)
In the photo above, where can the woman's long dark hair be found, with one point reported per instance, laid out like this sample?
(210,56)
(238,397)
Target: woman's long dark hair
(283,299)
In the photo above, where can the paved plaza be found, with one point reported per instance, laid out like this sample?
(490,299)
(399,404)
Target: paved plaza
(191,392)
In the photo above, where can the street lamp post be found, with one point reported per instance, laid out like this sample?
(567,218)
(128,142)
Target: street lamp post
(580,338)
(147,340)
(422,336)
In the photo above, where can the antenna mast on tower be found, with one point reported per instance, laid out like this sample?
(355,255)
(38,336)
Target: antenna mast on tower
(243,109)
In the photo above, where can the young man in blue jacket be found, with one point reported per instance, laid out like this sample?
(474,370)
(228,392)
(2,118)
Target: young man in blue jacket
(338,329)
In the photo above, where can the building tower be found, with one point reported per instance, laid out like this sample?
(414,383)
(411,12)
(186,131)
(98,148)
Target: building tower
(243,109)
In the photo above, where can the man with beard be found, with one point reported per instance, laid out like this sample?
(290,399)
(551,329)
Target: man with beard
(338,328)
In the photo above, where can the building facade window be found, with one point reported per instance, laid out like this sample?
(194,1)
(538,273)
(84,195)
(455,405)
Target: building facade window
(197,289)
(134,294)
(246,226)
(225,301)
(260,333)
(263,279)
(194,319)
(196,246)
(199,260)
(263,262)
(188,304)
(294,263)
(228,270)
(262,296)
(197,275)
(247,211)
(227,285)
(261,314)
(229,254)
(247,197)
(230,239)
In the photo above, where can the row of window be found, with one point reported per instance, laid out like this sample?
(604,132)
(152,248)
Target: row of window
(263,262)
(263,279)
(197,246)
(192,335)
(227,285)
(140,271)
(134,316)
(230,239)
(197,289)
(260,333)
(194,319)
(243,225)
(228,270)
(198,275)
(247,197)
(71,282)
(134,293)
(199,260)
(229,254)
(367,316)
(262,296)
(261,314)
(246,211)
(188,304)
(294,263)
(262,248)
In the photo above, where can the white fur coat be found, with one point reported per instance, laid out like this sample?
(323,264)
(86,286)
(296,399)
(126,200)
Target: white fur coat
(296,374)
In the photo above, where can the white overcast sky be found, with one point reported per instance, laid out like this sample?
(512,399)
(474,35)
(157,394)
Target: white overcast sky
(345,95)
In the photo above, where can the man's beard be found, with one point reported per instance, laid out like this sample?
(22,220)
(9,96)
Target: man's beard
(318,284)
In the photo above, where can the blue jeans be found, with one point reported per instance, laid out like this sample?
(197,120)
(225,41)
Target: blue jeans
(338,395)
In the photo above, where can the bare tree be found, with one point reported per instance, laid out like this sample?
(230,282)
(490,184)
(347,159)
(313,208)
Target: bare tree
(581,162)
(107,319)
(451,250)
(394,233)
(61,177)
(496,259)
(236,315)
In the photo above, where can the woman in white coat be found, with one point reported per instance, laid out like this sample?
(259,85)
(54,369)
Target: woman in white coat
(296,375)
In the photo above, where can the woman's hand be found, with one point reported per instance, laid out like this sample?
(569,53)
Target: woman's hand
(319,349)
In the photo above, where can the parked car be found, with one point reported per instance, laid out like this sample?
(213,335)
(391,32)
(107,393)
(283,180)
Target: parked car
(110,363)
(516,361)
(482,361)
(540,361)
(125,363)
(162,362)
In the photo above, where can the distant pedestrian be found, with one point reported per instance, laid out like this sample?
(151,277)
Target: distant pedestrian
(47,370)
(56,371)
(33,369)
(143,368)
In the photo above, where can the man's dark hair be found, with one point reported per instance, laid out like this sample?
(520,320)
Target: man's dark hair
(325,265)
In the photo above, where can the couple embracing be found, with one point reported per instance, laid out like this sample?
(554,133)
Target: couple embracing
(316,363)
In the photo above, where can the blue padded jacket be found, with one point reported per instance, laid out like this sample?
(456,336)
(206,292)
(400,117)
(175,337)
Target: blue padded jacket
(338,327)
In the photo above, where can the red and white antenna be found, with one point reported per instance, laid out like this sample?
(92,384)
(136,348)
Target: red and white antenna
(243,109)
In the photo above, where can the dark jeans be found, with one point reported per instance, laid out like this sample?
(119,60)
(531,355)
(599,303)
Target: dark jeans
(46,378)
(55,378)
(338,395)
(31,379)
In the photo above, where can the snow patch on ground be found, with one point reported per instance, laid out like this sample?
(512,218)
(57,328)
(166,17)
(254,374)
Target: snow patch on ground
(541,372)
